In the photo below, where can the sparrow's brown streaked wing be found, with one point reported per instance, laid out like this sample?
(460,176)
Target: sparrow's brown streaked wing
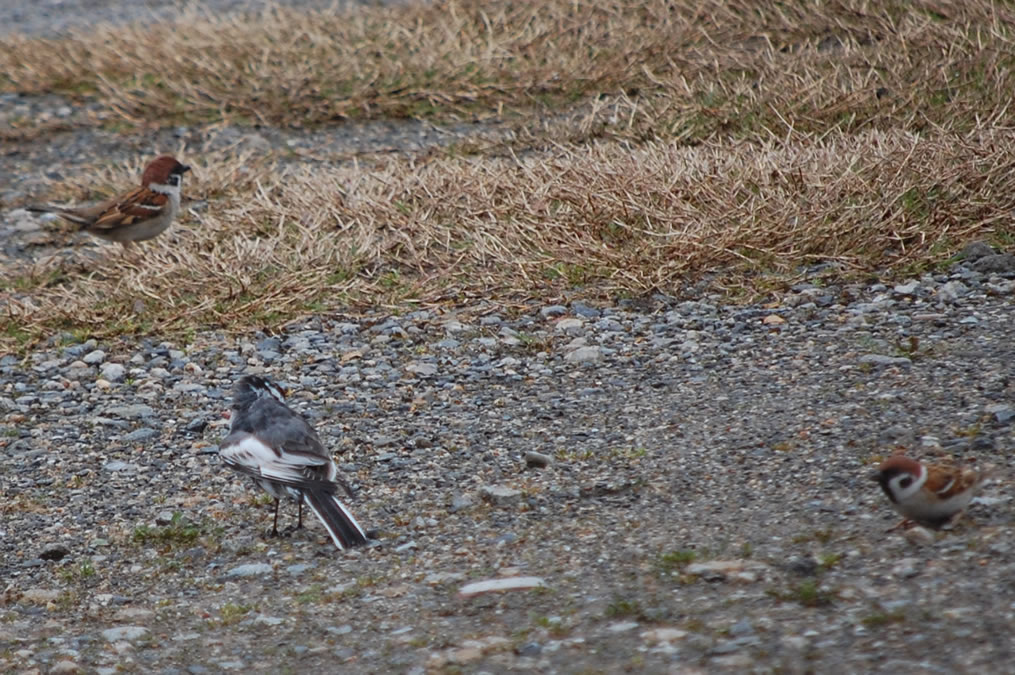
(139,204)
(946,480)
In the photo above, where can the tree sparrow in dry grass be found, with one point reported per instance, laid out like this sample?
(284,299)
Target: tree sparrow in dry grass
(142,213)
(929,494)
(281,452)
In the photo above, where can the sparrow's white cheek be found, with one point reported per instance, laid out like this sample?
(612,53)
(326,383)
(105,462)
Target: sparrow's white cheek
(904,486)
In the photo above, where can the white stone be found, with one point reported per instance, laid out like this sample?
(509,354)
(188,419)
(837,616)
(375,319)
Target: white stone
(585,354)
(250,570)
(127,633)
(622,626)
(662,635)
(500,585)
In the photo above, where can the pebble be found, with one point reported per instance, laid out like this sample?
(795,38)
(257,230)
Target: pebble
(586,311)
(920,536)
(422,369)
(164,518)
(250,570)
(976,250)
(997,263)
(94,357)
(131,412)
(112,372)
(909,288)
(570,326)
(54,552)
(268,620)
(552,311)
(952,291)
(500,585)
(125,633)
(1002,413)
(663,635)
(140,435)
(118,465)
(501,495)
(722,570)
(587,354)
(882,360)
(741,628)
(622,626)
(460,502)
(39,596)
(196,425)
(537,460)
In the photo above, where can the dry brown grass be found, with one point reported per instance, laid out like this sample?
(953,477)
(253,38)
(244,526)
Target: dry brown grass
(658,142)
(678,68)
(283,243)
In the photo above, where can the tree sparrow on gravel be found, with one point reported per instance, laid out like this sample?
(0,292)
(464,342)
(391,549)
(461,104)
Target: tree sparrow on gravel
(142,213)
(929,494)
(283,455)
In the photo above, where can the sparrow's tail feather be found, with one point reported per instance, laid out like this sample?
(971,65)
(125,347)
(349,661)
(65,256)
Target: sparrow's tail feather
(67,215)
(336,518)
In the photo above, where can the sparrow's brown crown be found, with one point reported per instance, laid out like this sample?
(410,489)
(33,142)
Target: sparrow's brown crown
(897,464)
(160,169)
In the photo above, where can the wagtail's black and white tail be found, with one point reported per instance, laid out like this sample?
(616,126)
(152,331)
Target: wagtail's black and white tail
(336,518)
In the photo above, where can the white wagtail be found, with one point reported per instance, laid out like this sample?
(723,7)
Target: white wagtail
(282,453)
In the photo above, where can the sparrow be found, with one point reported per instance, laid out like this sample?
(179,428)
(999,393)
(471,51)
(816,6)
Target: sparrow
(282,453)
(142,213)
(929,494)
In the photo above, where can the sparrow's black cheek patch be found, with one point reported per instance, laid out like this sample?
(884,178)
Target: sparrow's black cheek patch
(905,482)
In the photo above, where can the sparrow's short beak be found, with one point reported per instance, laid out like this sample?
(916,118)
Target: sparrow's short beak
(874,475)
(185,168)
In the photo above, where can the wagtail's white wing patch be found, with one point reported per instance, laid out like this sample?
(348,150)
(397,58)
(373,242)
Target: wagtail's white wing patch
(254,456)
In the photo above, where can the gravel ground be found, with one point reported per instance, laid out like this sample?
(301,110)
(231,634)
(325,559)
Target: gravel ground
(706,503)
(51,17)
